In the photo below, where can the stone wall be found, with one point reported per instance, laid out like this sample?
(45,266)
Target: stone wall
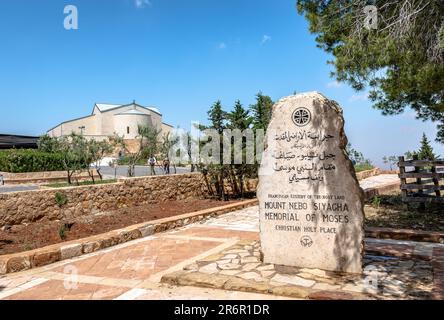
(40,205)
(368,173)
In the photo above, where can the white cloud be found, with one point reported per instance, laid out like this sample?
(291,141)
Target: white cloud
(222,45)
(358,97)
(265,39)
(334,84)
(140,4)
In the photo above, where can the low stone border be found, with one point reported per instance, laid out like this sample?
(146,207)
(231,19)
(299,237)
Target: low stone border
(368,173)
(232,283)
(404,234)
(43,177)
(43,256)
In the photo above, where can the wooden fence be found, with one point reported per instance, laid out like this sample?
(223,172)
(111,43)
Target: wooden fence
(421,180)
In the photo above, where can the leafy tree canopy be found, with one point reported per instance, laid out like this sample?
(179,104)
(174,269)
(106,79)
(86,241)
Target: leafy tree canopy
(401,61)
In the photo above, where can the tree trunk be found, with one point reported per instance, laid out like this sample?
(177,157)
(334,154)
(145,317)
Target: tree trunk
(234,182)
(222,186)
(241,184)
(99,173)
(91,174)
(210,189)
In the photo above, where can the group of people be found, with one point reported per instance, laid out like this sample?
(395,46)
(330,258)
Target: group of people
(152,161)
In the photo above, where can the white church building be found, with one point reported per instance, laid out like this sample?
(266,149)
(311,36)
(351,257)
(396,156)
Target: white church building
(107,119)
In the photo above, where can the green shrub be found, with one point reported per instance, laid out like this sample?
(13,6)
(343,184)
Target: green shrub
(61,199)
(125,160)
(28,160)
(376,201)
(363,166)
(62,232)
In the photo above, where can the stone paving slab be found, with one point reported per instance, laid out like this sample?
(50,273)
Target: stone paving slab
(140,262)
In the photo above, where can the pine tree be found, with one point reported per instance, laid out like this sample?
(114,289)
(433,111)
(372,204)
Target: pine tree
(217,117)
(262,110)
(239,118)
(426,150)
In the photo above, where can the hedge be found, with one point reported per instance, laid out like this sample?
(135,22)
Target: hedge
(29,160)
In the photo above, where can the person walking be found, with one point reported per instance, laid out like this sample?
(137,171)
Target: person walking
(152,163)
(166,166)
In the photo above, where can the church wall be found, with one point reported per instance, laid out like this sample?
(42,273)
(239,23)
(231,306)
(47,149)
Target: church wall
(124,121)
(67,128)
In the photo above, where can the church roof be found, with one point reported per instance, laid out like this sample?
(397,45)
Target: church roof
(103,107)
(133,112)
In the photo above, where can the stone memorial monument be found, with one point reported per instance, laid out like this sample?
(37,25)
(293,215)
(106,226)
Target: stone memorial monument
(311,205)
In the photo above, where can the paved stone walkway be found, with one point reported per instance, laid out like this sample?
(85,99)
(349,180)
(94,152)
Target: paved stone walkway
(133,270)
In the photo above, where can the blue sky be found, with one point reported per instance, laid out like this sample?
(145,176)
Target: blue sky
(179,56)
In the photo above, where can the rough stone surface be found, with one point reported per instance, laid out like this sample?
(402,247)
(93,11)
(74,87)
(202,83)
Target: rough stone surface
(295,280)
(147,230)
(3,268)
(203,280)
(18,263)
(45,257)
(325,286)
(230,272)
(210,268)
(291,291)
(251,276)
(128,235)
(91,246)
(330,295)
(71,251)
(311,205)
(239,284)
